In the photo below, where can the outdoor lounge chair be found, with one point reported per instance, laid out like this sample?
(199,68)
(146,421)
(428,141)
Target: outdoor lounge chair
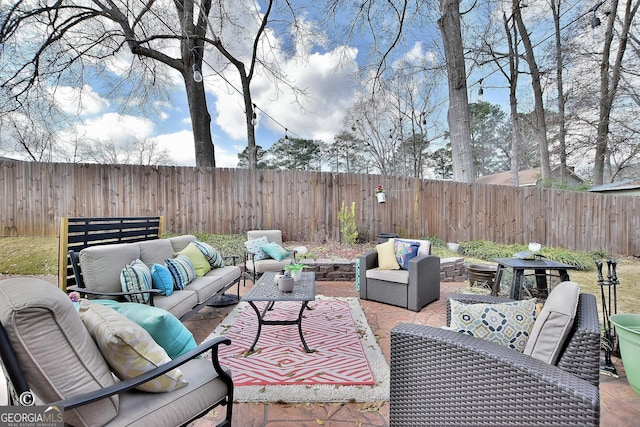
(254,265)
(443,377)
(50,358)
(412,289)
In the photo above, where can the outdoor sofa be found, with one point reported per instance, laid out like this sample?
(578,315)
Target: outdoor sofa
(98,269)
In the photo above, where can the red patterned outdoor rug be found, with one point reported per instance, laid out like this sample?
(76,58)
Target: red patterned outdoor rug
(346,362)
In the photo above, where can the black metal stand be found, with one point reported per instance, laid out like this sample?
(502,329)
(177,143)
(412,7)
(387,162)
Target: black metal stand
(609,307)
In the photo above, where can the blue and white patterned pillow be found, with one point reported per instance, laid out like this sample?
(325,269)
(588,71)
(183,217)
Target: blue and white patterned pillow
(210,253)
(405,250)
(182,271)
(255,247)
(508,323)
(136,277)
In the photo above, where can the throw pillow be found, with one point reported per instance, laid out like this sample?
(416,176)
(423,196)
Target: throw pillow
(200,263)
(405,251)
(165,328)
(387,256)
(136,277)
(128,349)
(508,323)
(182,271)
(554,323)
(211,254)
(255,247)
(161,279)
(275,251)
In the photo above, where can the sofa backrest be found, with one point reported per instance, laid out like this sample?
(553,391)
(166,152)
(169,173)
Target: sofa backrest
(55,352)
(101,265)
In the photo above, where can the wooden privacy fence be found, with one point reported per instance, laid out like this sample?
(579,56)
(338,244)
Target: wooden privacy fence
(305,205)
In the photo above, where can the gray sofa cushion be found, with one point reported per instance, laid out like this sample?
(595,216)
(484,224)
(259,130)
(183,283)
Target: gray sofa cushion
(175,408)
(101,265)
(55,351)
(155,251)
(181,242)
(398,276)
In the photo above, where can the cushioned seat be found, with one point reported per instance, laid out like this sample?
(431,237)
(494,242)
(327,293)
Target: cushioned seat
(47,351)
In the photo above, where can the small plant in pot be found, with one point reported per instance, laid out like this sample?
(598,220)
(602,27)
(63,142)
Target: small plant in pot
(295,270)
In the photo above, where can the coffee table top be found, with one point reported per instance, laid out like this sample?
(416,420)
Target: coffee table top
(266,290)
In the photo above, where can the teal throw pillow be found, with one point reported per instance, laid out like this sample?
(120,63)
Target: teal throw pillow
(255,247)
(211,254)
(405,251)
(182,271)
(163,326)
(161,279)
(275,251)
(508,323)
(136,277)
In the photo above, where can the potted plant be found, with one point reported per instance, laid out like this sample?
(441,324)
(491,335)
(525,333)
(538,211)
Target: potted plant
(296,270)
(380,194)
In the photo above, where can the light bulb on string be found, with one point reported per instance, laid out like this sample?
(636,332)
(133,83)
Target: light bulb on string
(254,117)
(286,136)
(197,75)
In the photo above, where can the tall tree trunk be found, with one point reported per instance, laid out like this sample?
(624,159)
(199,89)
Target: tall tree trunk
(516,135)
(609,83)
(200,121)
(458,112)
(541,127)
(555,8)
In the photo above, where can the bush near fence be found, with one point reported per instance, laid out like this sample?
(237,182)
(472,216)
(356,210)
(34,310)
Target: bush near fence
(305,205)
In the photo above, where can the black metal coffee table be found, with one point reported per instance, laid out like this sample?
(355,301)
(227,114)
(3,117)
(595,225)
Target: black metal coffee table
(266,290)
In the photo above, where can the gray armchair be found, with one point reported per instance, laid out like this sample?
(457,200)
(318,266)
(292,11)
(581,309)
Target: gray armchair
(411,289)
(442,377)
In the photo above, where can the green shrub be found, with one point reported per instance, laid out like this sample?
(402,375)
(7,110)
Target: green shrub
(348,227)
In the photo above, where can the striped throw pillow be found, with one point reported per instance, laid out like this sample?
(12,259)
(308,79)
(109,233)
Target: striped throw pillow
(210,253)
(182,271)
(136,277)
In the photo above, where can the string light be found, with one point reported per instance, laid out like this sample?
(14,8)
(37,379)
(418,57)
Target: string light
(197,75)
(254,117)
(286,136)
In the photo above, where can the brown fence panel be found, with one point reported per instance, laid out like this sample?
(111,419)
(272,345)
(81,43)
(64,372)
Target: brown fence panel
(305,205)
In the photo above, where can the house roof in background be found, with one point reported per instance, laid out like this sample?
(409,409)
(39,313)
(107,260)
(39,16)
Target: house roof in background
(526,178)
(627,184)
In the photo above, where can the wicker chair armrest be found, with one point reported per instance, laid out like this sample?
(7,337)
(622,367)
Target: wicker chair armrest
(448,378)
(211,345)
(369,260)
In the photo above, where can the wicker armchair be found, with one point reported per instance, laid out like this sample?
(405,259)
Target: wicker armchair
(442,377)
(411,289)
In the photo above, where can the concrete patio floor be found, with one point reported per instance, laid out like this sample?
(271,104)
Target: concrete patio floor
(620,406)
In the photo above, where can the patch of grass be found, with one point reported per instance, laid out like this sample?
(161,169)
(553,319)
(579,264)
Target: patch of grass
(29,255)
(487,251)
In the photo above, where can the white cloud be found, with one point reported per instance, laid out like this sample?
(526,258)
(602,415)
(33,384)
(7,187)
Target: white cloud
(82,101)
(182,151)
(326,80)
(115,127)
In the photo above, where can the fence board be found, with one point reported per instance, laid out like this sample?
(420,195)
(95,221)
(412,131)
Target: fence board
(305,205)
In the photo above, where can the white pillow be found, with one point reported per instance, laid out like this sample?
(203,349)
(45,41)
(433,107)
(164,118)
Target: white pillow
(554,323)
(128,349)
